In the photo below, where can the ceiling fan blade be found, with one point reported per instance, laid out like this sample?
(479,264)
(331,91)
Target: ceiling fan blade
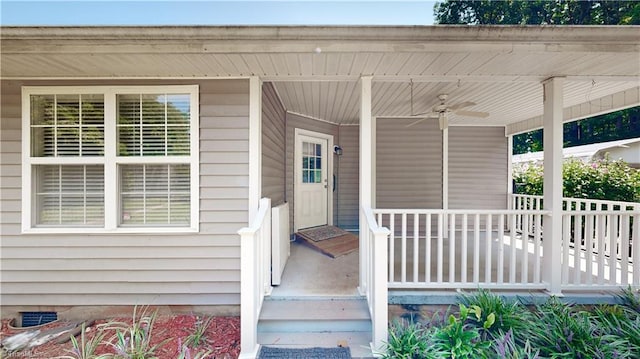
(472,113)
(461,105)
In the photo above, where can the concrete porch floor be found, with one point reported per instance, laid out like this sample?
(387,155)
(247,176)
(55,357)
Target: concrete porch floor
(309,273)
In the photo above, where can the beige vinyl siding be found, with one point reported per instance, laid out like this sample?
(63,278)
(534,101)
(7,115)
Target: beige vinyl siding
(110,269)
(408,164)
(348,191)
(294,121)
(273,146)
(478,165)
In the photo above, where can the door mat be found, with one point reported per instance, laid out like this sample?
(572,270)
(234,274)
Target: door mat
(322,233)
(333,247)
(306,353)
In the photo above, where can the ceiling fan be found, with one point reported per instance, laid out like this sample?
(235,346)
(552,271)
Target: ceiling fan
(442,110)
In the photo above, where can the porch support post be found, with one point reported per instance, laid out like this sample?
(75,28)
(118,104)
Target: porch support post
(552,140)
(445,178)
(367,132)
(255,145)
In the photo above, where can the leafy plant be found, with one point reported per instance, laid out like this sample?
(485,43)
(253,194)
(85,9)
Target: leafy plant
(133,341)
(559,331)
(409,340)
(602,179)
(506,347)
(185,352)
(631,299)
(86,348)
(460,340)
(197,337)
(513,317)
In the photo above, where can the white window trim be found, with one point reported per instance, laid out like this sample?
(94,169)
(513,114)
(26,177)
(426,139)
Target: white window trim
(110,160)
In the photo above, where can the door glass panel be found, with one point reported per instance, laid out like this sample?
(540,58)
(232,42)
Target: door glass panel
(311,162)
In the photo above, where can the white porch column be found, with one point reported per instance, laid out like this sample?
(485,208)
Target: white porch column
(552,140)
(255,145)
(367,131)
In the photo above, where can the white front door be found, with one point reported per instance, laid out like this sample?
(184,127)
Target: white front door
(311,180)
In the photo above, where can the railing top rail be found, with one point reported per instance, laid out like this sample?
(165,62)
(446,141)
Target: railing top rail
(460,211)
(526,195)
(621,213)
(263,207)
(590,200)
(373,224)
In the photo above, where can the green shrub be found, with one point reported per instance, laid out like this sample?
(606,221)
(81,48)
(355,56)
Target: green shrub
(508,316)
(409,340)
(604,179)
(133,341)
(460,340)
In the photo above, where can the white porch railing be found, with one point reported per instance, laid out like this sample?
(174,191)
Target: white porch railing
(526,202)
(374,284)
(476,250)
(601,249)
(255,274)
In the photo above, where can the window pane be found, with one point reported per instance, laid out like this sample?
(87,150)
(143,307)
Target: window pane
(154,125)
(155,195)
(69,195)
(178,109)
(67,125)
(318,176)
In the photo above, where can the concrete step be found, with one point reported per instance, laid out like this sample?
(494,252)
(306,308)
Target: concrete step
(316,322)
(314,315)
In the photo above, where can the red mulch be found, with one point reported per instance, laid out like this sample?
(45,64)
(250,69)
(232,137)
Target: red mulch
(222,337)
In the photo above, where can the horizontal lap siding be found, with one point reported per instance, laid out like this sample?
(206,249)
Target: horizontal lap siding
(408,164)
(191,269)
(273,146)
(478,168)
(348,177)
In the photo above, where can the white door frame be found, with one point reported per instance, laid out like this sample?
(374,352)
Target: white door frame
(297,160)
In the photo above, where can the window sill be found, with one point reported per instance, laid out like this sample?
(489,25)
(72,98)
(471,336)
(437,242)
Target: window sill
(121,230)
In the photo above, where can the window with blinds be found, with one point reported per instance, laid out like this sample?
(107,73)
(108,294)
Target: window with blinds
(111,157)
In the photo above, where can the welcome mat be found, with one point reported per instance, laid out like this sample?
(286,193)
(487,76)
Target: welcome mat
(306,353)
(322,233)
(343,243)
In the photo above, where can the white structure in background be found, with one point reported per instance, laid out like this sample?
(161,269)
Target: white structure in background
(628,150)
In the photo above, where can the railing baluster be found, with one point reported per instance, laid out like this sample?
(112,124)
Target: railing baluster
(536,248)
(500,249)
(512,257)
(392,247)
(463,249)
(588,255)
(440,251)
(601,241)
(488,240)
(524,275)
(624,249)
(635,244)
(416,241)
(577,249)
(613,240)
(476,249)
(566,230)
(452,248)
(403,269)
(427,250)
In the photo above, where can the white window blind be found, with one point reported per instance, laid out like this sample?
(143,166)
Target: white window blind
(111,157)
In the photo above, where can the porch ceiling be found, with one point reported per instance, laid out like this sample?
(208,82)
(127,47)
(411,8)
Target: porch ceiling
(315,69)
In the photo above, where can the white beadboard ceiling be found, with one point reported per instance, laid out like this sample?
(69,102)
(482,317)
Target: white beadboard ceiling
(316,69)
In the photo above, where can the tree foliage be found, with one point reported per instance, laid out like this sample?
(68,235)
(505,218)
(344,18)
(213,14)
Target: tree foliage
(538,12)
(613,126)
(605,179)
